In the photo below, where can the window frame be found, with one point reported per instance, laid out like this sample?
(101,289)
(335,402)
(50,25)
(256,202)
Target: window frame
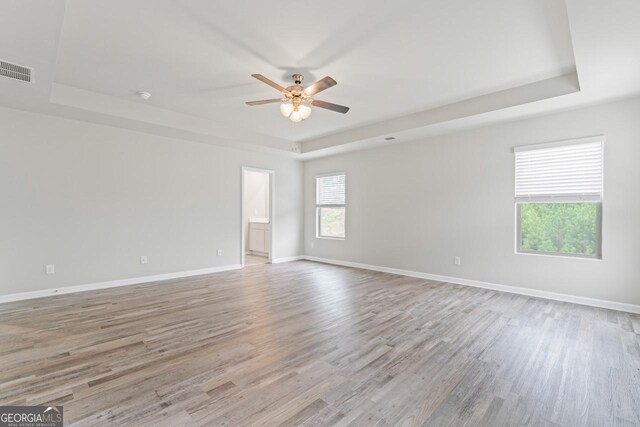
(518,202)
(320,206)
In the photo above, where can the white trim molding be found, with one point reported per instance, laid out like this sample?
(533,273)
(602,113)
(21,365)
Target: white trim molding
(593,302)
(114,283)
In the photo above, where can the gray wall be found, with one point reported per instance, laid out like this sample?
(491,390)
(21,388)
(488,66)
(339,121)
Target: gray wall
(92,199)
(415,206)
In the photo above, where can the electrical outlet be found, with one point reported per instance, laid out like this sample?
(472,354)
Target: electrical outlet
(313,245)
(143,259)
(50,269)
(456,260)
(219,252)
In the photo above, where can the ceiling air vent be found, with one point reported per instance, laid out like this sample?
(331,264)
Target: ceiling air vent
(14,71)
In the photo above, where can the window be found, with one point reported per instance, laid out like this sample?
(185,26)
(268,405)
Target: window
(330,206)
(558,198)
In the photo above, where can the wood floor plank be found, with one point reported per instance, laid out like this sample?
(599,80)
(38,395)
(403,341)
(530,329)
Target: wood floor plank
(311,344)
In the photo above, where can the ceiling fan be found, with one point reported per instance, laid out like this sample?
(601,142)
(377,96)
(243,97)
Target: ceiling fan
(297,100)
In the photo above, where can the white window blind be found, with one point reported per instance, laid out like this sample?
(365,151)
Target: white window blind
(563,171)
(331,190)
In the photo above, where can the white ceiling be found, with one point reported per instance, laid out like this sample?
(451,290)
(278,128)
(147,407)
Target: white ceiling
(404,67)
(389,58)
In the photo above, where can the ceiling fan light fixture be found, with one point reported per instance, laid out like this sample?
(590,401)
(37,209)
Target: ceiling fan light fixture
(305,111)
(296,116)
(286,108)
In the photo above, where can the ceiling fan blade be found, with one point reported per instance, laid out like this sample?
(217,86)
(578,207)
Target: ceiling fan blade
(329,106)
(264,101)
(274,85)
(320,85)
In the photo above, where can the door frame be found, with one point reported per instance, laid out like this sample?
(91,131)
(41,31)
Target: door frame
(272,210)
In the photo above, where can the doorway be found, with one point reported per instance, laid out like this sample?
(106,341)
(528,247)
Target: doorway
(257,216)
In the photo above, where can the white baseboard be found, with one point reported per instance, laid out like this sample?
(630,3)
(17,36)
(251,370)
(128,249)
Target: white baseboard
(114,283)
(593,302)
(288,259)
(612,305)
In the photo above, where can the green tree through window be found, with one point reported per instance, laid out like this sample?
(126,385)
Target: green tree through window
(565,228)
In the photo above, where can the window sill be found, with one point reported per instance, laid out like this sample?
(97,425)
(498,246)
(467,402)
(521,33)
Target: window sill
(330,238)
(565,256)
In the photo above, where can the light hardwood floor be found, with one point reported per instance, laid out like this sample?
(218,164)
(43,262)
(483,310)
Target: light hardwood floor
(250,259)
(305,343)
